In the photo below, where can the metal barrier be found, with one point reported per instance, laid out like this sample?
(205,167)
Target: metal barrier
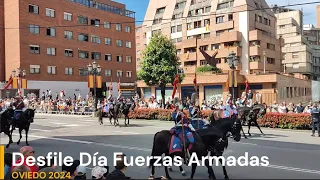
(68,110)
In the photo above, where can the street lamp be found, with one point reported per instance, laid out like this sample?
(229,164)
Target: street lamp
(264,62)
(95,70)
(19,74)
(233,63)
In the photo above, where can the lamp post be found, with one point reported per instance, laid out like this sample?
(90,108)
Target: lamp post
(233,63)
(19,74)
(264,62)
(95,70)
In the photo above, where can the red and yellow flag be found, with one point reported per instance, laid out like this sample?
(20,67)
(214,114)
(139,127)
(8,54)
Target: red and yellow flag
(119,85)
(175,83)
(247,86)
(195,82)
(227,85)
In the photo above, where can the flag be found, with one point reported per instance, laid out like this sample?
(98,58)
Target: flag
(187,55)
(110,86)
(10,81)
(207,27)
(227,85)
(195,82)
(175,83)
(119,85)
(247,86)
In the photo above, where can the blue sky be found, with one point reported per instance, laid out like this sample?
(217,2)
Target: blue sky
(140,7)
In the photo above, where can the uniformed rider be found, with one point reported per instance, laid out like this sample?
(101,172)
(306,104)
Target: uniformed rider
(110,101)
(18,106)
(183,122)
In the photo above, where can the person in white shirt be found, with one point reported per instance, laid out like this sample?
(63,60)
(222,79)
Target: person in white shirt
(282,108)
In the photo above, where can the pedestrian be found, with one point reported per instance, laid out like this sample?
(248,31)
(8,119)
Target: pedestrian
(81,173)
(27,151)
(71,170)
(99,172)
(315,120)
(121,168)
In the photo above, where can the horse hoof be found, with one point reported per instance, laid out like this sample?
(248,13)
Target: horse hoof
(183,173)
(226,177)
(250,135)
(18,143)
(7,146)
(170,169)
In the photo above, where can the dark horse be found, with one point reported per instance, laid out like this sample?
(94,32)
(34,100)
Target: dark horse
(5,126)
(118,109)
(204,140)
(23,123)
(250,116)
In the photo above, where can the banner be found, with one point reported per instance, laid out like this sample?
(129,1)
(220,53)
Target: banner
(175,83)
(98,82)
(90,81)
(235,78)
(15,84)
(24,84)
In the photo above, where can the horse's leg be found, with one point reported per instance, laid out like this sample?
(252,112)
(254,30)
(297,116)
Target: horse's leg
(193,170)
(224,170)
(258,126)
(244,134)
(210,170)
(27,130)
(125,120)
(167,172)
(20,130)
(10,138)
(249,125)
(128,119)
(183,173)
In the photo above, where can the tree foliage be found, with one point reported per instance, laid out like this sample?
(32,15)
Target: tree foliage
(159,61)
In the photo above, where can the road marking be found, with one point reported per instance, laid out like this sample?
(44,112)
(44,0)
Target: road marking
(294,169)
(74,125)
(41,130)
(124,132)
(57,139)
(57,123)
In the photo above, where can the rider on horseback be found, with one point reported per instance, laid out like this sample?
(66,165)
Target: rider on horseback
(109,101)
(19,106)
(183,124)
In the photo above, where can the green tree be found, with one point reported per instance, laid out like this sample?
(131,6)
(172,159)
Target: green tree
(159,63)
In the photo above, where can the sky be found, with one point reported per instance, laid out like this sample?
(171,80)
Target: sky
(140,7)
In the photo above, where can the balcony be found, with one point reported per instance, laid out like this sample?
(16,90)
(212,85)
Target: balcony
(289,30)
(222,53)
(300,48)
(255,51)
(188,57)
(258,35)
(189,69)
(224,25)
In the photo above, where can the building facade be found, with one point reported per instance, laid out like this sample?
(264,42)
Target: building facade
(205,27)
(54,41)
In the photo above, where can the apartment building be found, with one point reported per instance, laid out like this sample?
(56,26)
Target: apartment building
(312,34)
(200,28)
(140,44)
(54,41)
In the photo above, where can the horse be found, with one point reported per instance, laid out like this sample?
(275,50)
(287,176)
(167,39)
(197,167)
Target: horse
(204,139)
(5,126)
(250,115)
(23,123)
(118,109)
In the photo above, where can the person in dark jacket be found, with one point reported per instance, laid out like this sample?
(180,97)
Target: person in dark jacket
(315,120)
(121,168)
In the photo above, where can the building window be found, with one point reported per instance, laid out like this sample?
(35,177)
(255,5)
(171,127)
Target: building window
(34,49)
(230,17)
(107,25)
(128,29)
(173,29)
(50,12)
(83,72)
(34,69)
(119,58)
(128,44)
(107,72)
(107,41)
(128,59)
(179,39)
(95,22)
(82,20)
(118,27)
(206,35)
(83,37)
(68,34)
(271,46)
(129,73)
(68,52)
(95,39)
(83,54)
(179,28)
(271,60)
(218,33)
(108,57)
(51,32)
(68,71)
(219,19)
(96,55)
(119,73)
(34,29)
(51,51)
(67,16)
(119,43)
(33,9)
(51,69)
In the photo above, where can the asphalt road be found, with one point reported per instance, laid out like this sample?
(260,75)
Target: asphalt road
(292,154)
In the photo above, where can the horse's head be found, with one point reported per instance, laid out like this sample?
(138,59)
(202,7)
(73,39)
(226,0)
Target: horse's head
(31,113)
(262,111)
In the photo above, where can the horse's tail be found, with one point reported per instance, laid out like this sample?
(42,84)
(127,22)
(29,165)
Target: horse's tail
(153,152)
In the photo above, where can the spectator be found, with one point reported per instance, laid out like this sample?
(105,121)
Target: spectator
(290,108)
(72,170)
(100,172)
(299,108)
(315,120)
(118,173)
(7,165)
(27,151)
(51,165)
(81,173)
(48,171)
(282,108)
(20,169)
